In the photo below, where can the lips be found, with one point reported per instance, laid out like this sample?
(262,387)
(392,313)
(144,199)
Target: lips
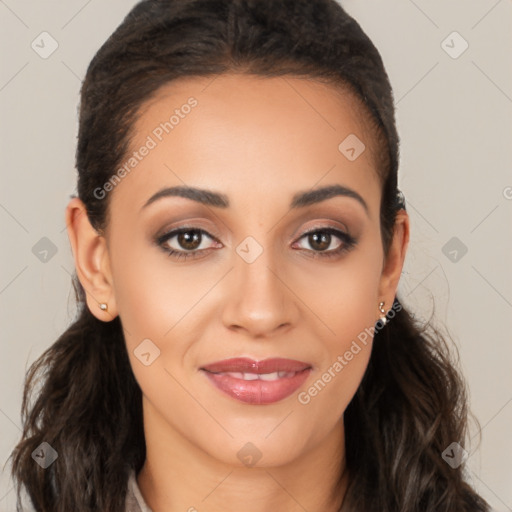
(246,365)
(257,382)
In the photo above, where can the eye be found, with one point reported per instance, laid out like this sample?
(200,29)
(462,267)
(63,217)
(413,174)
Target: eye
(320,239)
(189,241)
(187,244)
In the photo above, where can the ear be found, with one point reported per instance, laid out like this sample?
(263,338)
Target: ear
(394,262)
(92,263)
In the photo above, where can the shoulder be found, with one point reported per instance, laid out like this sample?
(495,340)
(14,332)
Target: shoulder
(134,499)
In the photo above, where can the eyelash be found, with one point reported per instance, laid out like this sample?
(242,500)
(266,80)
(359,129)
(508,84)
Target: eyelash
(348,242)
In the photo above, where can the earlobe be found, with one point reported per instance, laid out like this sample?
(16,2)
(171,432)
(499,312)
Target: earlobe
(91,258)
(395,260)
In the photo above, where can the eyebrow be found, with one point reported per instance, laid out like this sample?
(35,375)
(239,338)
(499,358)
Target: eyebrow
(219,200)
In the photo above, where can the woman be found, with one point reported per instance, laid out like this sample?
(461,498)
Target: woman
(239,237)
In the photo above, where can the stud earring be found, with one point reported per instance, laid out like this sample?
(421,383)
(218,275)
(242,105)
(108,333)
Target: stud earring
(103,306)
(383,318)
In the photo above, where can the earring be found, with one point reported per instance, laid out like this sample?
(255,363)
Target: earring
(103,306)
(383,318)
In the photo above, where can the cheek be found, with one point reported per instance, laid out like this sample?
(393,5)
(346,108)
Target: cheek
(152,293)
(161,302)
(344,362)
(344,294)
(346,300)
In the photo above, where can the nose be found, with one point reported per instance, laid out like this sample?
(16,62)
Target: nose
(260,301)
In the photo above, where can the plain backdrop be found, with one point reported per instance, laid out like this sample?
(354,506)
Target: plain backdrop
(449,64)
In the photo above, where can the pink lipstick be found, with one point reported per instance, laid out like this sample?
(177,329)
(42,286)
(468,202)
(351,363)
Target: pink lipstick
(257,382)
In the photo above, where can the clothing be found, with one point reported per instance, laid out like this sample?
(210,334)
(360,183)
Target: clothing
(134,500)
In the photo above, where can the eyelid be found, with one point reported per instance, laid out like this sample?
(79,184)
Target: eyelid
(168,234)
(328,224)
(198,225)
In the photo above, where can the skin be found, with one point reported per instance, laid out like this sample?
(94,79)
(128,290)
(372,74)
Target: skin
(258,141)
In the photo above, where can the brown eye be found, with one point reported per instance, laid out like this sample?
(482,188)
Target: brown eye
(187,244)
(189,239)
(321,239)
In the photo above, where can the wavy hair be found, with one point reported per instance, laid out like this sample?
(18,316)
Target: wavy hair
(411,403)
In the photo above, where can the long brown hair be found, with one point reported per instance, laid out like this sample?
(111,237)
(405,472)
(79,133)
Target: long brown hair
(411,404)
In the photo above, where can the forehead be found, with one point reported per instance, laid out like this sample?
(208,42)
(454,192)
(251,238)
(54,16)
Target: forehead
(248,133)
(291,98)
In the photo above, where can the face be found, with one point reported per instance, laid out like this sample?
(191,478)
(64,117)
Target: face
(256,267)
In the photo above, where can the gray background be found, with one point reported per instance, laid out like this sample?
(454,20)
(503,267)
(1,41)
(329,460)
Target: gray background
(454,118)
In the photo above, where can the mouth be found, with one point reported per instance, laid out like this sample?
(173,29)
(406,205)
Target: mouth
(257,382)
